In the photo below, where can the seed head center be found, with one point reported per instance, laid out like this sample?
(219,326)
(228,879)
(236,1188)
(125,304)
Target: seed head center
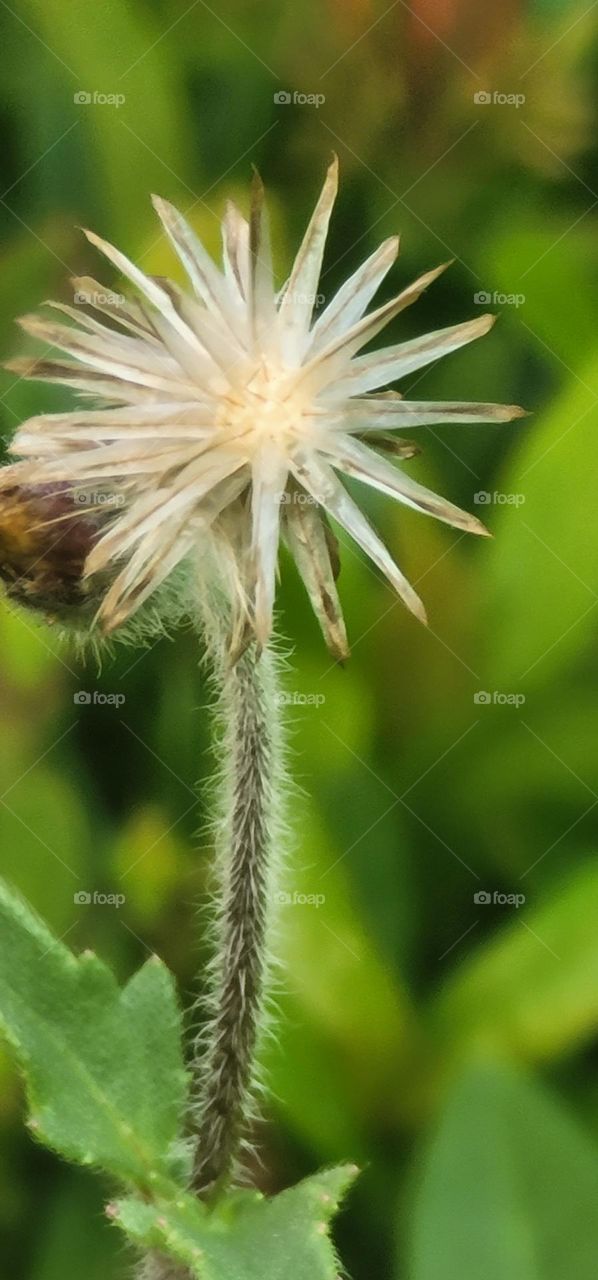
(264,411)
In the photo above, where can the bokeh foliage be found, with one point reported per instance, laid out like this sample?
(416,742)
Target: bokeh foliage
(446,1044)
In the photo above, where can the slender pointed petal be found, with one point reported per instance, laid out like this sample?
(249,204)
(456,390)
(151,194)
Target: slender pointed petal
(126,363)
(381,367)
(194,366)
(298,302)
(235,250)
(349,304)
(270,473)
(308,544)
(146,286)
(85,321)
(170,424)
(86,381)
(212,361)
(89,293)
(95,338)
(144,573)
(156,510)
(372,412)
(320,480)
(106,462)
(262,307)
(355,459)
(329,363)
(205,277)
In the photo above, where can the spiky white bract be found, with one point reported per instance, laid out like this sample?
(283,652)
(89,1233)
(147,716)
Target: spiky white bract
(228,413)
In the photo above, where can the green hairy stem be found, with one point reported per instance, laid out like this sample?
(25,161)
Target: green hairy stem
(246,846)
(250,779)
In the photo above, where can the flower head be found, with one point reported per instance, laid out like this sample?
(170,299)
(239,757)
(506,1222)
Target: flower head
(229,415)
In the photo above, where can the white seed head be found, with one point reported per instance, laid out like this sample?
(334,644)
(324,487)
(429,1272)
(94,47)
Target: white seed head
(229,413)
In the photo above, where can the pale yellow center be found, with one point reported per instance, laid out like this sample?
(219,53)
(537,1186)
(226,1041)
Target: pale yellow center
(266,410)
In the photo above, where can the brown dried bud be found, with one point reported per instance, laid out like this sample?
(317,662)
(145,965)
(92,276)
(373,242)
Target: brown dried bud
(46,534)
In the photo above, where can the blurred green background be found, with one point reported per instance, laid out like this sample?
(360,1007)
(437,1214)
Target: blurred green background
(446,1042)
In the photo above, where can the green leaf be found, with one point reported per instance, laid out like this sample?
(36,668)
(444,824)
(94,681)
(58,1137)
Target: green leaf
(104,1070)
(542,602)
(246,1237)
(532,991)
(559,312)
(508,1189)
(111,144)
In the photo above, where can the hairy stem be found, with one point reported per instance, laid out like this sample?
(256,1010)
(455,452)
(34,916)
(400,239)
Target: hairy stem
(248,814)
(251,778)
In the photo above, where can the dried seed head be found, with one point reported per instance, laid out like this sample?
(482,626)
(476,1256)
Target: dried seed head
(222,402)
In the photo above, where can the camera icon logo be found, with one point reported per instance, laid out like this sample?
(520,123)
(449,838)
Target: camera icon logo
(82,898)
(283,96)
(81,698)
(482,498)
(82,98)
(482,698)
(482,898)
(482,98)
(482,298)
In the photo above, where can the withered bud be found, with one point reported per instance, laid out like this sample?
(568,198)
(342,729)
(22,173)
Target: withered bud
(46,534)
